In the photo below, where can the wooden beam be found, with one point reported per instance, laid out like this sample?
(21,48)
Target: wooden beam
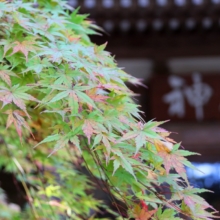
(161,46)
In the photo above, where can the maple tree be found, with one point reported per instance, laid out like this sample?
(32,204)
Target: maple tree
(65,106)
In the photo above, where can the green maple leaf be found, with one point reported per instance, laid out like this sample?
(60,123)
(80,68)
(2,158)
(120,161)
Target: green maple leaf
(37,65)
(140,135)
(74,94)
(55,52)
(23,21)
(168,214)
(124,162)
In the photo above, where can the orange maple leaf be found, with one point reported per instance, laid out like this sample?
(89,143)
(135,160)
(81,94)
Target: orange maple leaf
(163,146)
(142,213)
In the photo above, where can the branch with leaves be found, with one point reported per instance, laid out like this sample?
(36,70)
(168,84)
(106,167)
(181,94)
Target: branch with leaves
(65,105)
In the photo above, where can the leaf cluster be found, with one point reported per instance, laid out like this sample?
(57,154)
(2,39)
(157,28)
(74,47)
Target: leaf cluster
(65,106)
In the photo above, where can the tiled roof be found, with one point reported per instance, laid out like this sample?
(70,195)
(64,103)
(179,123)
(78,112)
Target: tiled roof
(154,15)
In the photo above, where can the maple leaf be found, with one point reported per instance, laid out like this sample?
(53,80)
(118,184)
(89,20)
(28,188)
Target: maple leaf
(198,210)
(136,81)
(172,157)
(3,8)
(16,118)
(201,213)
(71,36)
(139,136)
(113,87)
(172,160)
(191,201)
(107,145)
(163,146)
(5,75)
(123,161)
(74,93)
(124,120)
(167,214)
(16,95)
(61,21)
(140,141)
(142,213)
(24,47)
(92,93)
(88,128)
(23,21)
(55,53)
(60,144)
(82,83)
(37,65)
(144,205)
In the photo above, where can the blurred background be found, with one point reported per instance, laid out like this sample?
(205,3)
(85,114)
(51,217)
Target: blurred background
(174,46)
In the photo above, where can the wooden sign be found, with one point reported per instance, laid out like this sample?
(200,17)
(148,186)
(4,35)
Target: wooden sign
(185,97)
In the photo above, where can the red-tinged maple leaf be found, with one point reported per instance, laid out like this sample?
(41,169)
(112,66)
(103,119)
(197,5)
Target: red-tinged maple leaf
(129,135)
(5,75)
(112,86)
(124,120)
(6,96)
(71,36)
(15,95)
(88,128)
(107,145)
(136,156)
(74,102)
(16,118)
(96,97)
(191,198)
(144,205)
(24,47)
(142,214)
(172,160)
(137,81)
(198,210)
